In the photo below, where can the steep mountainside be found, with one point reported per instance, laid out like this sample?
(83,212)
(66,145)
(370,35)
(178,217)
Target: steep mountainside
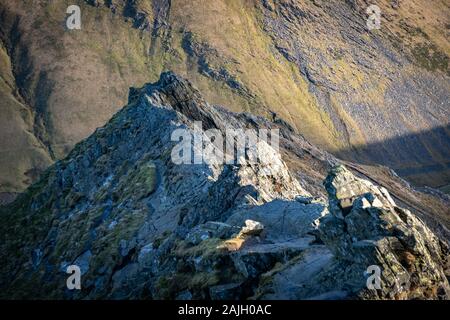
(376,96)
(140,226)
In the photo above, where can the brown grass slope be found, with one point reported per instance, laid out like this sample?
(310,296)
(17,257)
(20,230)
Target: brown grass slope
(312,62)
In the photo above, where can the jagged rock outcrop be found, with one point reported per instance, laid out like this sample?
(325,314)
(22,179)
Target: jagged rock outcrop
(120,208)
(366,227)
(365,231)
(140,226)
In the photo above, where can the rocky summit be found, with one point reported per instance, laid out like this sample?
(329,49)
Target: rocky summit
(139,226)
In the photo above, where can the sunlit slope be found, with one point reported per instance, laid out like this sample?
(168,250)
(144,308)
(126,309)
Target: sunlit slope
(313,63)
(22,156)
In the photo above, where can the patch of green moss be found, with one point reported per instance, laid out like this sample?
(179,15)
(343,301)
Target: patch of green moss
(158,241)
(207,248)
(167,287)
(138,184)
(430,57)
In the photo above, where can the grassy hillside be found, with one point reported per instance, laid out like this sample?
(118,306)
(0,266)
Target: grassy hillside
(312,62)
(22,156)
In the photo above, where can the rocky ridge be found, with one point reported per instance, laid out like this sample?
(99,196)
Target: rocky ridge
(141,227)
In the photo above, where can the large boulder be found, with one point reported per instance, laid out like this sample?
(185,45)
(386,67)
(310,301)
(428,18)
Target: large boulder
(366,228)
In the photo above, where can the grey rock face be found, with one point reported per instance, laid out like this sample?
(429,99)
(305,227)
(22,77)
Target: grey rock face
(366,228)
(364,231)
(142,227)
(139,225)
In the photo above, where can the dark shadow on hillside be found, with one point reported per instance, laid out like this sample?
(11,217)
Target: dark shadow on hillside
(421,158)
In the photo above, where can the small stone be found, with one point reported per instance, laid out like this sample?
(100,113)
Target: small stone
(377,203)
(362,203)
(252,228)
